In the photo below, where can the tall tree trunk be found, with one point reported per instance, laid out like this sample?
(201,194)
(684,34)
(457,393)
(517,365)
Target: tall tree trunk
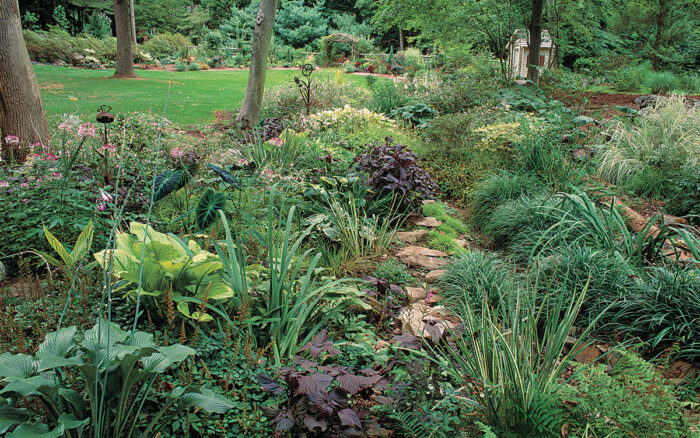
(535,40)
(401,40)
(122,24)
(252,103)
(656,44)
(21,109)
(132,19)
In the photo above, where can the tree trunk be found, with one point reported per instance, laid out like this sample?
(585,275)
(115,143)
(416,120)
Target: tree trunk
(401,41)
(535,40)
(132,19)
(660,18)
(122,24)
(21,109)
(252,103)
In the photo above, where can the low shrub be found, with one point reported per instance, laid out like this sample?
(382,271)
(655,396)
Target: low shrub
(167,44)
(630,78)
(650,408)
(386,97)
(393,271)
(685,195)
(459,93)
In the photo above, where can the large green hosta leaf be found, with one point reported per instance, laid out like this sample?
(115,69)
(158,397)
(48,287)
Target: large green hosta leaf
(58,343)
(202,398)
(16,365)
(10,416)
(104,334)
(165,358)
(37,431)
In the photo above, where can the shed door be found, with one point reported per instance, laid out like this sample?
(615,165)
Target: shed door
(541,60)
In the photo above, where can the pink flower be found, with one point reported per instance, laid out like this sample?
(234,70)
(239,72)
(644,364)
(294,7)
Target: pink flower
(242,162)
(177,152)
(50,157)
(25,200)
(24,185)
(110,147)
(105,196)
(86,130)
(101,206)
(12,139)
(4,184)
(276,141)
(65,126)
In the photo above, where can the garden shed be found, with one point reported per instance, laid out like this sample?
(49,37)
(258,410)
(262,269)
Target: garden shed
(519,53)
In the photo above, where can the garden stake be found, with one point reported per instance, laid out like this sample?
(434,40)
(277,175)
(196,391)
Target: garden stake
(305,85)
(105,117)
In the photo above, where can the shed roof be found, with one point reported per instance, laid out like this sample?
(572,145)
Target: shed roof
(521,38)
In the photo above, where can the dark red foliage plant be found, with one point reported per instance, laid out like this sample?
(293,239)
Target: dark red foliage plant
(394,168)
(321,399)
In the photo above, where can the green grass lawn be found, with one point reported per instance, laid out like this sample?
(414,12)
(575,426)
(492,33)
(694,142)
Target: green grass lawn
(194,96)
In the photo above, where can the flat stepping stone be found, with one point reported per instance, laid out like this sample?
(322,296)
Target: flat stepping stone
(414,317)
(415,294)
(411,236)
(428,222)
(433,276)
(420,251)
(425,262)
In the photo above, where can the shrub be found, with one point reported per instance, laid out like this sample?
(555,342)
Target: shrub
(348,118)
(667,138)
(48,46)
(685,198)
(649,408)
(630,78)
(167,44)
(458,93)
(394,169)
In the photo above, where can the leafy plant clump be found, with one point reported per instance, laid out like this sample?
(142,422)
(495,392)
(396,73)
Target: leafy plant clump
(393,168)
(324,399)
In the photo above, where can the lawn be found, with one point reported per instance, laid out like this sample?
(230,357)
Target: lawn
(193,99)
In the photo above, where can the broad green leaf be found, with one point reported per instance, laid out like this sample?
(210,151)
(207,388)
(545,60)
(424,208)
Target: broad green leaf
(58,247)
(165,358)
(209,204)
(82,245)
(70,422)
(203,398)
(27,386)
(53,362)
(74,398)
(224,175)
(109,334)
(16,365)
(10,416)
(166,183)
(37,431)
(58,343)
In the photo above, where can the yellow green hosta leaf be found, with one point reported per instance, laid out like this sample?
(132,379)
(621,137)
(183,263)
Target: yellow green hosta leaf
(58,247)
(183,307)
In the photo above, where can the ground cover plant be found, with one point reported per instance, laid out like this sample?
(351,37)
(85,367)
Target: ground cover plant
(395,238)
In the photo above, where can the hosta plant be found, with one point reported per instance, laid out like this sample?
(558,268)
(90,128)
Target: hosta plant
(95,384)
(322,399)
(149,264)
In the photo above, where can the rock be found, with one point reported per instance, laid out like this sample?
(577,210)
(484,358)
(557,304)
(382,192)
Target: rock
(59,63)
(420,251)
(679,371)
(463,243)
(570,341)
(415,294)
(433,276)
(414,317)
(77,58)
(429,222)
(432,298)
(411,236)
(428,201)
(588,354)
(426,262)
(381,344)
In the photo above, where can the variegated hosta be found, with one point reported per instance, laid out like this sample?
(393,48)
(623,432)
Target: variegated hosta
(146,263)
(116,372)
(348,117)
